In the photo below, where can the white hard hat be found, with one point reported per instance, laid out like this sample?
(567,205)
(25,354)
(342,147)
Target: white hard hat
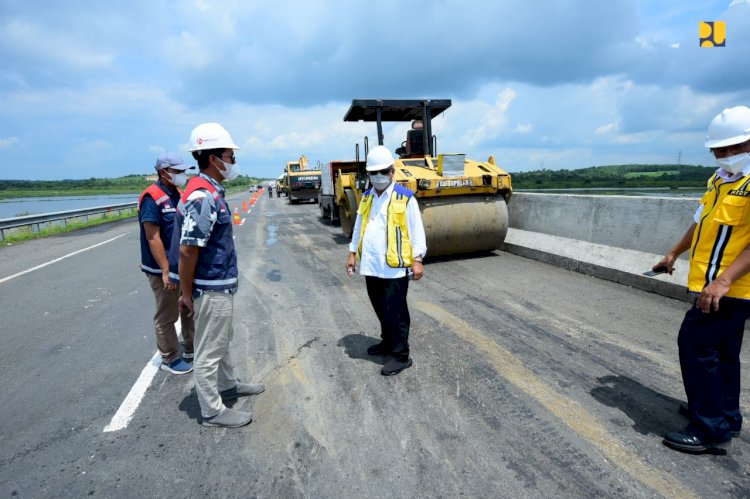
(211,136)
(379,158)
(730,127)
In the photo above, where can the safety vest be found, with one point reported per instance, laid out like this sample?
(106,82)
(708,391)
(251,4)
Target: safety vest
(721,234)
(166,205)
(398,248)
(216,269)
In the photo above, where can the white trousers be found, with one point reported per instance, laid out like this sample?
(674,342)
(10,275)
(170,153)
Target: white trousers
(212,367)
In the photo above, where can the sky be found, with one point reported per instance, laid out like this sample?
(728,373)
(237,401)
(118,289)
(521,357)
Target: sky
(98,89)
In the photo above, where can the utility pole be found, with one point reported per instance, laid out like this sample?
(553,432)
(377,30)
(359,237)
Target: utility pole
(679,157)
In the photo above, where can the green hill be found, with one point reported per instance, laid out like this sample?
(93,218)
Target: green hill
(615,176)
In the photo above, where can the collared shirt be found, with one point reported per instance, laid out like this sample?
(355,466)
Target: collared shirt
(727,177)
(200,216)
(372,261)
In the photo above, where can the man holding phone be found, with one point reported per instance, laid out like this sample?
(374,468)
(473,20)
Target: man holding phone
(389,239)
(711,334)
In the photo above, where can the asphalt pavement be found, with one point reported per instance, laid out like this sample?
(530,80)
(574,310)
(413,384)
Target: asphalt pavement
(528,380)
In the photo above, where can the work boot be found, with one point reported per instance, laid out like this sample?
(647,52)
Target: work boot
(395,366)
(241,390)
(228,418)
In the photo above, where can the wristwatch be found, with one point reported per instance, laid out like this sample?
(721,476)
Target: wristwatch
(418,259)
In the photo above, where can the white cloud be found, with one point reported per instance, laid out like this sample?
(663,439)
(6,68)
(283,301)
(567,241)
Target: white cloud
(523,128)
(605,129)
(8,141)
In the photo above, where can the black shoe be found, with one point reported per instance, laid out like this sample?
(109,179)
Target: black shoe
(687,441)
(377,349)
(684,411)
(395,366)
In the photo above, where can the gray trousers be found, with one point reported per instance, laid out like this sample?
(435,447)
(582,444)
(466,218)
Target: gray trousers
(212,367)
(167,313)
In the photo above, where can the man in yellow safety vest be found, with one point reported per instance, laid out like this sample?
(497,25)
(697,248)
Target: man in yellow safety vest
(389,239)
(710,337)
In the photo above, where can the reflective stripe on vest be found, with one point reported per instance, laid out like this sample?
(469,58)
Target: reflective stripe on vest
(157,193)
(398,249)
(721,234)
(162,199)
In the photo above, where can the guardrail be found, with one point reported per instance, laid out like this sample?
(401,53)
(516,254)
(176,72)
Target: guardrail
(36,221)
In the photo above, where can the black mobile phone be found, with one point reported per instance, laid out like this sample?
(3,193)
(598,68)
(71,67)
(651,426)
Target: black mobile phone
(658,270)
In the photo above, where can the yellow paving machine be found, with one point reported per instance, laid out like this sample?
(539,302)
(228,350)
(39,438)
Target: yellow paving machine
(463,201)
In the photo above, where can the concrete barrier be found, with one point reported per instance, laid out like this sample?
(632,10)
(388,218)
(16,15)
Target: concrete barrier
(611,237)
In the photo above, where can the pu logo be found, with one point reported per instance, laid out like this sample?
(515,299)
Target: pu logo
(713,34)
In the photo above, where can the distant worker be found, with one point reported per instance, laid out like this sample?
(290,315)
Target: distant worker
(156,216)
(270,189)
(710,338)
(389,239)
(209,276)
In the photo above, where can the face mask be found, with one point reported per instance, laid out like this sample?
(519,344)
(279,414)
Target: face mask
(178,179)
(380,181)
(734,164)
(230,171)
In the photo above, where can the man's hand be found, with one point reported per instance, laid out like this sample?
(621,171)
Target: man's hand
(351,266)
(168,285)
(418,270)
(186,302)
(667,261)
(711,294)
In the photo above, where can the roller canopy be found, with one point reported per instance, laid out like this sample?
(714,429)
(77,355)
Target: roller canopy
(394,110)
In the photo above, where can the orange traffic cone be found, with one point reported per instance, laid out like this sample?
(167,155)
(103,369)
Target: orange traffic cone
(236,218)
(244,206)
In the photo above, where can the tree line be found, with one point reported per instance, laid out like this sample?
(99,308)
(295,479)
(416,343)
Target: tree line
(120,185)
(616,176)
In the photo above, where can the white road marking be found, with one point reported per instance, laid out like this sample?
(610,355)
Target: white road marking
(242,222)
(127,409)
(57,260)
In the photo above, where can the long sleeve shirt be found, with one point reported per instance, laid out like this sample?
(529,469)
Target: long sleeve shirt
(372,261)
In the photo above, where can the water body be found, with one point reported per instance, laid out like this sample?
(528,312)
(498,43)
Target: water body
(17,207)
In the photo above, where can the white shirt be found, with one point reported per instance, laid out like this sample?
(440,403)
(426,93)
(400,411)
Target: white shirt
(372,261)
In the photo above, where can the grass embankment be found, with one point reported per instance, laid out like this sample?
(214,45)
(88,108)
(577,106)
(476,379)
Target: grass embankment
(27,233)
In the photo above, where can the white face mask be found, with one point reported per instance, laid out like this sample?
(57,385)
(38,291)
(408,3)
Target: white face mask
(178,179)
(380,181)
(734,164)
(230,171)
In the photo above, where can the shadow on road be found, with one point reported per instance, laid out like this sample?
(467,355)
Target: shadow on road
(355,346)
(652,412)
(189,405)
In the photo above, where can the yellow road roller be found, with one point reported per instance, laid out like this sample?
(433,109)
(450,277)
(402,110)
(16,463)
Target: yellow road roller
(463,201)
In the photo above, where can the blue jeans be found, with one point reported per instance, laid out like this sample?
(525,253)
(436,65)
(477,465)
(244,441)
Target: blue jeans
(710,361)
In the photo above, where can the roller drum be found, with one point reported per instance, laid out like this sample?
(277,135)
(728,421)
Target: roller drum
(464,224)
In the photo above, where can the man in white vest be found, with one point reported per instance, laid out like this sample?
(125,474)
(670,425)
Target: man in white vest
(389,239)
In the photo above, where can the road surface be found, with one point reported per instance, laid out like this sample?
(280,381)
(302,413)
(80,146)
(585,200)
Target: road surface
(528,380)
